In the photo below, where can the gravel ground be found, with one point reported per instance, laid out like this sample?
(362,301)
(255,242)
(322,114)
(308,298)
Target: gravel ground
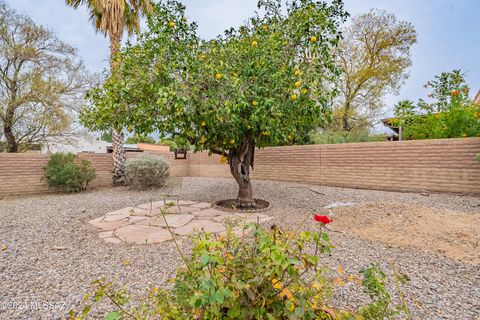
(53,255)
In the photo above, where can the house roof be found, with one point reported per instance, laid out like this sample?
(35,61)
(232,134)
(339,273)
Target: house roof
(476,100)
(387,122)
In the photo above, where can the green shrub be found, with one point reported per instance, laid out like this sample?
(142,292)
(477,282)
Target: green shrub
(147,171)
(172,144)
(136,138)
(65,172)
(332,137)
(261,274)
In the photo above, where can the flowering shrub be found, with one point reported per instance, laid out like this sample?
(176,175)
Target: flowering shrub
(261,274)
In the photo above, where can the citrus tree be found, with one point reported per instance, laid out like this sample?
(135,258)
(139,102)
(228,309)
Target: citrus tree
(261,84)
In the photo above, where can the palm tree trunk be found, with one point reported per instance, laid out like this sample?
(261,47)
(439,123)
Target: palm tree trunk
(118,178)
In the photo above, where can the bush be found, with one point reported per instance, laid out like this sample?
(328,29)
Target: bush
(63,171)
(176,143)
(147,171)
(333,137)
(139,139)
(172,144)
(272,274)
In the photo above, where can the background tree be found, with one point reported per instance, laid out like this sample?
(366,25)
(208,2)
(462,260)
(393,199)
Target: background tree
(112,18)
(374,55)
(260,84)
(42,82)
(137,138)
(450,114)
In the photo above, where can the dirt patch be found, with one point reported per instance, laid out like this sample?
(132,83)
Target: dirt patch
(451,233)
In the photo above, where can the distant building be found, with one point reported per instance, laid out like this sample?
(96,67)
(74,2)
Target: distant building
(476,100)
(92,145)
(77,145)
(126,147)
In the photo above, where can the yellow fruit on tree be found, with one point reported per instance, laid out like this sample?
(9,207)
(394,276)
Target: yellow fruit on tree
(298,84)
(254,103)
(276,284)
(184,19)
(223,159)
(265,27)
(297,72)
(202,57)
(203,123)
(303,91)
(218,76)
(293,96)
(313,39)
(129,129)
(254,43)
(232,141)
(291,308)
(171,24)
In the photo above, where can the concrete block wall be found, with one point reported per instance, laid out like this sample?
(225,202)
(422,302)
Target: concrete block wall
(445,165)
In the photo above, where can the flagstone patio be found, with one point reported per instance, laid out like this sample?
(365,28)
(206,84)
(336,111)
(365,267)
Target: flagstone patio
(145,224)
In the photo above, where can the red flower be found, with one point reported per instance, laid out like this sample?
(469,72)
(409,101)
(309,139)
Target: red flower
(323,219)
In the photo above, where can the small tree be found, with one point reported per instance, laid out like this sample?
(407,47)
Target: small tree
(261,84)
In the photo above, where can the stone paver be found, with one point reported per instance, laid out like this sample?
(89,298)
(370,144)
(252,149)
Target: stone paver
(173,220)
(181,209)
(145,224)
(209,213)
(198,225)
(109,225)
(116,217)
(122,211)
(145,212)
(142,234)
(153,205)
(136,219)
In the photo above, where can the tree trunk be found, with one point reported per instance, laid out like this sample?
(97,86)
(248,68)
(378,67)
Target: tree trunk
(119,178)
(12,144)
(345,124)
(240,160)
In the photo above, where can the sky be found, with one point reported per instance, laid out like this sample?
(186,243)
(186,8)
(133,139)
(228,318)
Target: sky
(448,33)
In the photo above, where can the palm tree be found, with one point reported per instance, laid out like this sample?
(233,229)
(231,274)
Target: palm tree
(112,18)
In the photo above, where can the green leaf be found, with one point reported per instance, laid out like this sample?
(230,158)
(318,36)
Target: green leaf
(114,315)
(205,259)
